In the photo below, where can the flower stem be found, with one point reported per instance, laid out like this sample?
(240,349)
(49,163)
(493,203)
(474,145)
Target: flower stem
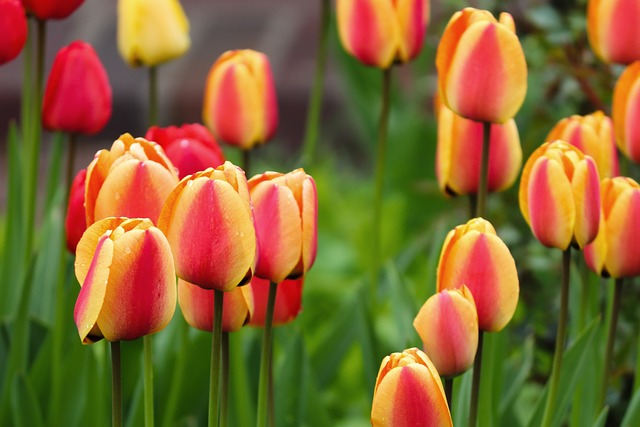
(177,377)
(611,339)
(153,96)
(214,385)
(265,359)
(224,404)
(448,391)
(71,155)
(560,338)
(148,381)
(475,382)
(116,385)
(483,186)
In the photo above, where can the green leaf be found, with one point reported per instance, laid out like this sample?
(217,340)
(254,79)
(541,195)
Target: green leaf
(632,416)
(602,418)
(25,404)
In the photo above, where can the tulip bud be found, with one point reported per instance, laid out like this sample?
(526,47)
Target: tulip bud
(151,32)
(381,32)
(208,221)
(75,223)
(474,255)
(77,98)
(482,72)
(13,26)
(132,179)
(559,195)
(409,393)
(128,281)
(240,104)
(286,215)
(191,147)
(593,135)
(288,301)
(612,27)
(448,326)
(626,104)
(51,9)
(613,253)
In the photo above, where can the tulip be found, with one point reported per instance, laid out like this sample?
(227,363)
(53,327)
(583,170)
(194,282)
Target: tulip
(593,135)
(132,179)
(448,326)
(75,222)
(77,98)
(128,282)
(191,147)
(473,255)
(13,25)
(613,253)
(409,393)
(482,73)
(612,27)
(381,32)
(286,215)
(151,32)
(208,221)
(626,105)
(240,104)
(460,149)
(559,195)
(51,9)
(288,302)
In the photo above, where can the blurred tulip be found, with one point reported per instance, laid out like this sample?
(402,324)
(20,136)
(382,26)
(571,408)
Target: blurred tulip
(151,32)
(190,147)
(612,27)
(613,253)
(460,149)
(13,26)
(409,393)
(240,105)
(209,223)
(474,255)
(381,32)
(77,98)
(75,223)
(132,179)
(593,135)
(196,304)
(559,195)
(288,301)
(51,9)
(128,281)
(626,110)
(286,215)
(448,326)
(482,72)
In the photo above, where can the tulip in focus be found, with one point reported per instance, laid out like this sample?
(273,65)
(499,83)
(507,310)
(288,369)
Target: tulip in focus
(409,393)
(151,32)
(51,9)
(75,222)
(208,221)
(240,105)
(482,72)
(612,27)
(474,255)
(626,110)
(559,195)
(13,27)
(128,281)
(286,217)
(380,33)
(77,98)
(288,301)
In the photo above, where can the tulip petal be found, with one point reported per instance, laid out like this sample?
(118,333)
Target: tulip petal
(623,235)
(586,192)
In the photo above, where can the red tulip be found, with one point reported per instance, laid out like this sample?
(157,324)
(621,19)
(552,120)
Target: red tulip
(288,301)
(51,9)
(13,26)
(75,223)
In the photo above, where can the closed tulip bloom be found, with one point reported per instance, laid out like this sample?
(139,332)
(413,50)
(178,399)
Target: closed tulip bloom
(77,98)
(13,26)
(240,105)
(209,223)
(409,393)
(51,9)
(482,72)
(474,255)
(614,251)
(75,222)
(381,32)
(128,281)
(559,195)
(151,32)
(286,215)
(626,110)
(288,301)
(448,326)
(612,27)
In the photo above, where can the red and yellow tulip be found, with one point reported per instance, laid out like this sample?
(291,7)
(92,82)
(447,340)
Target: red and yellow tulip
(51,9)
(75,222)
(626,110)
(13,26)
(612,27)
(288,301)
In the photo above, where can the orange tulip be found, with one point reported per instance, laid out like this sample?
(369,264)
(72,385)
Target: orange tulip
(612,27)
(474,255)
(409,393)
(128,281)
(208,221)
(559,195)
(288,301)
(482,72)
(75,222)
(626,110)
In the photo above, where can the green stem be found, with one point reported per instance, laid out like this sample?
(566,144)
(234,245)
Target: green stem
(265,359)
(147,344)
(560,339)
(116,385)
(224,404)
(475,382)
(214,385)
(71,155)
(483,186)
(448,391)
(246,162)
(178,375)
(315,102)
(153,96)
(611,339)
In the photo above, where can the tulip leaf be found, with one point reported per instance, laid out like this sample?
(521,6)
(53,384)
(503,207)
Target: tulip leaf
(26,407)
(519,378)
(632,415)
(602,418)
